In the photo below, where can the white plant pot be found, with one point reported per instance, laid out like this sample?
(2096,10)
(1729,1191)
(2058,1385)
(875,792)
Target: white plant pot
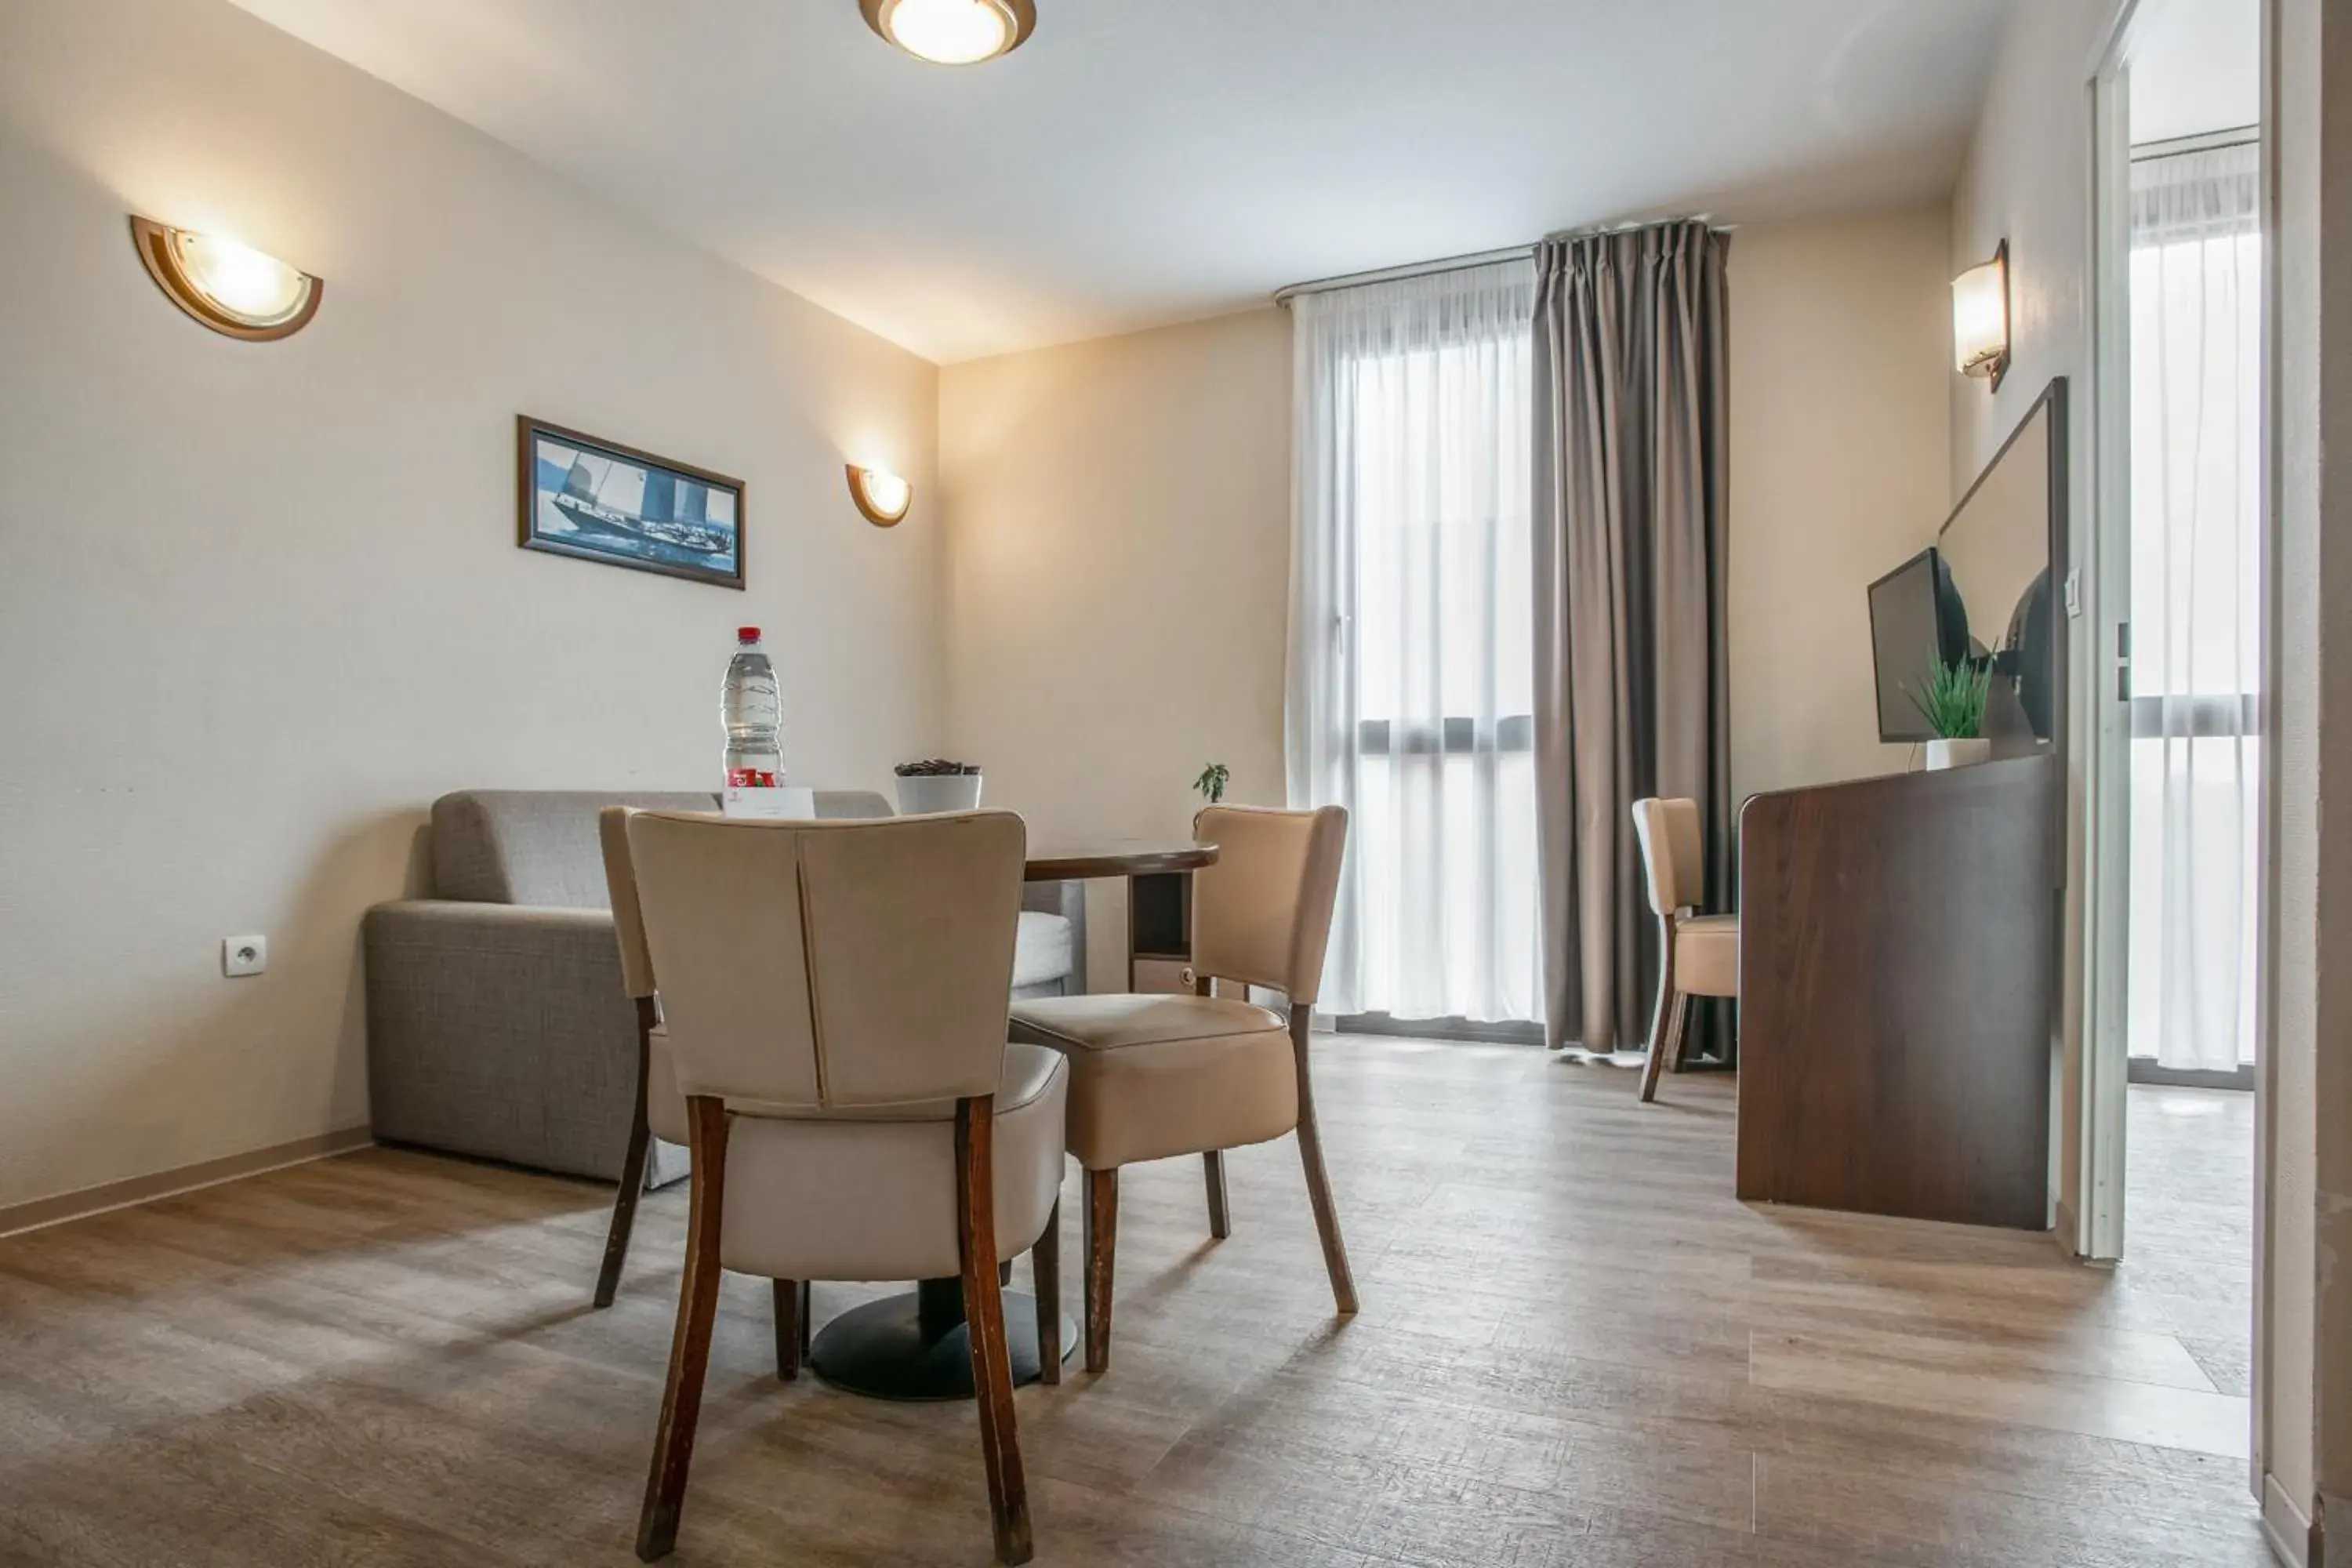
(922,793)
(1958,753)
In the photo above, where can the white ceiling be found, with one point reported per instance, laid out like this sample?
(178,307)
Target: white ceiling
(2195,66)
(1148,161)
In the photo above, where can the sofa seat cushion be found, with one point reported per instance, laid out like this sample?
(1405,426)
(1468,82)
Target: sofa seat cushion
(1041,949)
(1155,1075)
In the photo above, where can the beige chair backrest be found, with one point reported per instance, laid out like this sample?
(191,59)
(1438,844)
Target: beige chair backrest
(1672,852)
(1261,913)
(629,926)
(806,967)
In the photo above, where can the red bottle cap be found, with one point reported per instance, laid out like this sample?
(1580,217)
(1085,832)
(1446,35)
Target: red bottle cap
(747,634)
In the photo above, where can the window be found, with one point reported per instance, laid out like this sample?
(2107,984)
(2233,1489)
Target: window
(1413,662)
(2196,605)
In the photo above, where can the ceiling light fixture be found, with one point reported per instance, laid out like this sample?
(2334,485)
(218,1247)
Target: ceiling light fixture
(233,289)
(881,495)
(953,32)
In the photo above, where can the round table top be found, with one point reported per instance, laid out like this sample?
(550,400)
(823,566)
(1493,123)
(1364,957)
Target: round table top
(1129,860)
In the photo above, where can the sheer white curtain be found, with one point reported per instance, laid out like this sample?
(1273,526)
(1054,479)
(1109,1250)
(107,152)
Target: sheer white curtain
(2196,345)
(1411,666)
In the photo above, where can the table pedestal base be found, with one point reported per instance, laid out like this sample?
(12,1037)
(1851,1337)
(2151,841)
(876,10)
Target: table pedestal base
(917,1347)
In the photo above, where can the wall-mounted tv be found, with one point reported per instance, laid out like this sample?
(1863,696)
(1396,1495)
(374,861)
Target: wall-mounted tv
(1917,623)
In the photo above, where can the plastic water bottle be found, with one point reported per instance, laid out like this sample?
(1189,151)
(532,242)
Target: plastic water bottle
(753,714)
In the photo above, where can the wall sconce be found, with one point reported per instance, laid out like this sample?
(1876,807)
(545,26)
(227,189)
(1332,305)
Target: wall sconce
(230,287)
(1981,319)
(881,495)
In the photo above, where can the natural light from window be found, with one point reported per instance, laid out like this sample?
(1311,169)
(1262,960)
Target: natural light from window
(1444,667)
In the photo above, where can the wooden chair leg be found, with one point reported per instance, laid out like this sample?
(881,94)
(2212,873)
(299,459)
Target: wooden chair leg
(1666,1044)
(633,1168)
(689,1354)
(1319,1180)
(805,1314)
(1102,1244)
(1212,1161)
(1664,1035)
(1045,1263)
(984,1307)
(790,1331)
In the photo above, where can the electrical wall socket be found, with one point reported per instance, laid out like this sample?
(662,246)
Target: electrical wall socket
(241,955)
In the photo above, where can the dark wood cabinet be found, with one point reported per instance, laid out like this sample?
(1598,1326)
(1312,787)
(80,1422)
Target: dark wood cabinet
(1899,980)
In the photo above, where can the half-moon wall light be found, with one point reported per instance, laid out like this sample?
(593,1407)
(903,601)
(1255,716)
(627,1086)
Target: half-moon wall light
(881,495)
(233,289)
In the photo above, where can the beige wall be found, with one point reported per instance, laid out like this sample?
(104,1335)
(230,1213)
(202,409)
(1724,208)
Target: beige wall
(1118,574)
(260,603)
(2027,179)
(1840,338)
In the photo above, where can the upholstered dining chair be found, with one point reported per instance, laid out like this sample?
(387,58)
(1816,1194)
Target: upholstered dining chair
(1153,1077)
(660,1109)
(1698,954)
(832,1002)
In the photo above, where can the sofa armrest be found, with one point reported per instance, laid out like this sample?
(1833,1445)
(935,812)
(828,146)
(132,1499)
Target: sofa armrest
(1067,900)
(500,1031)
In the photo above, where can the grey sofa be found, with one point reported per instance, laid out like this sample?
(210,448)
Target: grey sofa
(497,1024)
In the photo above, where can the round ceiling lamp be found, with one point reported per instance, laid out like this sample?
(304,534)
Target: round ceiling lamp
(953,32)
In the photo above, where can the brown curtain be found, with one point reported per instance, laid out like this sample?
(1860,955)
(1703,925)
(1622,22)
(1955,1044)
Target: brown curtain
(1630,477)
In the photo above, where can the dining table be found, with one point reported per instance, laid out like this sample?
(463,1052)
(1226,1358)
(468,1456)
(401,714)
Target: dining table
(916,1345)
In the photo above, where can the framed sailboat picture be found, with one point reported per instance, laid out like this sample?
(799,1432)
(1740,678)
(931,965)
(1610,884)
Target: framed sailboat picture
(602,501)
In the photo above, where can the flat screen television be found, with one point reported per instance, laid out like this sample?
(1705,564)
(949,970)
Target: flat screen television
(1917,623)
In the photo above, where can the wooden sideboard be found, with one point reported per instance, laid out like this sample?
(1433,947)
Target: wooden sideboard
(1898,1010)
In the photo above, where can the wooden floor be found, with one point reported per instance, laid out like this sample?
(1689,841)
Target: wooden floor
(1575,1349)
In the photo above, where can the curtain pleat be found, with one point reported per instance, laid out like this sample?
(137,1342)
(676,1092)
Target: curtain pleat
(1630,476)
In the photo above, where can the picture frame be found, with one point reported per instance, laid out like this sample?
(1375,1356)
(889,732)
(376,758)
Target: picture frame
(593,499)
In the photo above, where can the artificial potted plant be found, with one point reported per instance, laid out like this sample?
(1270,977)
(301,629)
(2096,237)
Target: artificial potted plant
(1213,782)
(1952,701)
(938,785)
